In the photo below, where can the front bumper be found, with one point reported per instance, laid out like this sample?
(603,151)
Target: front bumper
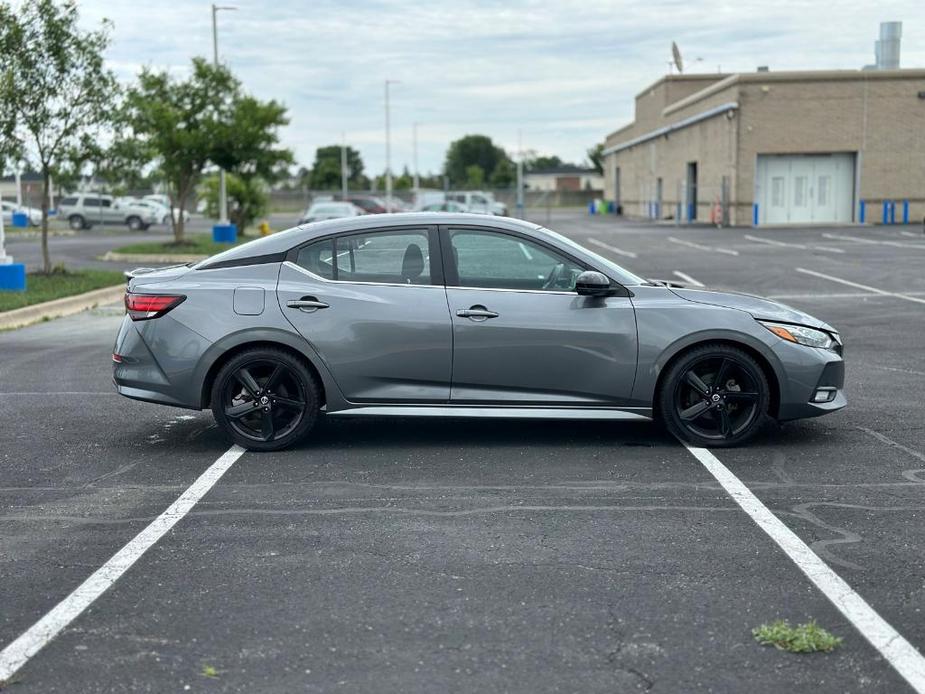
(809,371)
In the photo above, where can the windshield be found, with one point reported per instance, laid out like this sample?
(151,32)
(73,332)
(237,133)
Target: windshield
(622,275)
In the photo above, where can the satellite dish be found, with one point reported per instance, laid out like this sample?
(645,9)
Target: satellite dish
(676,54)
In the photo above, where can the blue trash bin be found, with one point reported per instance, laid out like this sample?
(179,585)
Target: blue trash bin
(224,233)
(13,277)
(20,220)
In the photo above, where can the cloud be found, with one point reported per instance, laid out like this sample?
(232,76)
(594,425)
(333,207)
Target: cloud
(556,75)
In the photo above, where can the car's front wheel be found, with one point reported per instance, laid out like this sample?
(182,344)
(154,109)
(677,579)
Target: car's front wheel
(714,396)
(135,223)
(265,399)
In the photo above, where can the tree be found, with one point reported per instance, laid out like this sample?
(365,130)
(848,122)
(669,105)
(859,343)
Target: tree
(326,174)
(247,198)
(475,177)
(56,96)
(544,162)
(471,150)
(405,181)
(247,144)
(504,174)
(596,157)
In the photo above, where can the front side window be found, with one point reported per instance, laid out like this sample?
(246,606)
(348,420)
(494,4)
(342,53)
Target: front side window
(393,257)
(91,202)
(493,260)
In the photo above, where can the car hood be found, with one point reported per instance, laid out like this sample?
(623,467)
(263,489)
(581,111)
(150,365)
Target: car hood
(763,309)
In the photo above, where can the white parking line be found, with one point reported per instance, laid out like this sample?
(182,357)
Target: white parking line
(911,235)
(783,244)
(687,278)
(48,627)
(872,290)
(897,651)
(613,249)
(699,247)
(874,242)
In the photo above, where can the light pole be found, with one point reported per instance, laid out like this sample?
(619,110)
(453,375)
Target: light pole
(388,149)
(520,175)
(222,186)
(417,179)
(343,165)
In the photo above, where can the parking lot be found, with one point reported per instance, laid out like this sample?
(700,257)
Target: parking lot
(468,555)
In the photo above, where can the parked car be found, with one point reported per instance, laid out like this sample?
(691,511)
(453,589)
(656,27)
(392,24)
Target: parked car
(84,210)
(429,314)
(478,201)
(162,211)
(8,208)
(448,206)
(369,204)
(329,210)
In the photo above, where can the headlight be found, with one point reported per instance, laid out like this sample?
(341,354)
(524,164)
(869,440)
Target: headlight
(800,334)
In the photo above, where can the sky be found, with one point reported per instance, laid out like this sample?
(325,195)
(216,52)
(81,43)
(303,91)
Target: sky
(552,77)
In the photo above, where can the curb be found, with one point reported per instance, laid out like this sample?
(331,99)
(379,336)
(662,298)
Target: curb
(66,306)
(109,256)
(32,234)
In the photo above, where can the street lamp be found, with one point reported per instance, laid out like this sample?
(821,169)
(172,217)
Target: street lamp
(417,178)
(222,186)
(388,149)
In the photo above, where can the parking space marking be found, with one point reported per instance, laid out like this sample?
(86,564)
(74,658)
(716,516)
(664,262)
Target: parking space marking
(897,651)
(874,242)
(787,244)
(700,247)
(872,290)
(613,249)
(18,653)
(687,278)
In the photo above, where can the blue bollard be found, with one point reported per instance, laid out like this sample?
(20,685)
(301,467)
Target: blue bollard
(224,233)
(755,214)
(20,220)
(886,211)
(892,212)
(13,277)
(591,207)
(863,212)
(905,211)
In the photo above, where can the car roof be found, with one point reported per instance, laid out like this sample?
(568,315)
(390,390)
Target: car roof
(284,240)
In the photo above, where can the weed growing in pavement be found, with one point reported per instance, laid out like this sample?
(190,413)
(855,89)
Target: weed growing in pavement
(209,671)
(803,638)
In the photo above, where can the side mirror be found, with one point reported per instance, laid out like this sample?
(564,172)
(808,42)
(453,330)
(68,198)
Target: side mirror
(592,283)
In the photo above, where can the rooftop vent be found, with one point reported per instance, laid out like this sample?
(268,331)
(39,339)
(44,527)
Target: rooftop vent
(886,48)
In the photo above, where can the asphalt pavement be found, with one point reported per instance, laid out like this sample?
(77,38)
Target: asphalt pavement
(461,555)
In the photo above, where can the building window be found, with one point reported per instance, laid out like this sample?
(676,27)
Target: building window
(799,191)
(777,191)
(822,196)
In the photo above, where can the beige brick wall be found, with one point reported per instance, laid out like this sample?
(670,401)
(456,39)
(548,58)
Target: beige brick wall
(877,114)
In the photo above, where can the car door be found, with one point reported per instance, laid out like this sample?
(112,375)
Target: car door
(373,306)
(521,333)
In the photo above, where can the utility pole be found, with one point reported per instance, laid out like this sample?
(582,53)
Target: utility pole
(388,149)
(222,185)
(343,165)
(520,175)
(417,179)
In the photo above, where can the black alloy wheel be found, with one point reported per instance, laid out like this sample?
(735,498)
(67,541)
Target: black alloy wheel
(715,395)
(265,399)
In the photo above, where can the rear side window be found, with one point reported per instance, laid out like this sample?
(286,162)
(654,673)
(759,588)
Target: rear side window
(393,257)
(91,202)
(318,258)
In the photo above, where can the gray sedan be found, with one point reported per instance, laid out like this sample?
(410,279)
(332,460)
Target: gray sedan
(436,314)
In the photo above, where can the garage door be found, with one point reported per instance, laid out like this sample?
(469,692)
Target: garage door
(805,188)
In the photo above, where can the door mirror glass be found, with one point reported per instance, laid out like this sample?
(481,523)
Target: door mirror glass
(593,283)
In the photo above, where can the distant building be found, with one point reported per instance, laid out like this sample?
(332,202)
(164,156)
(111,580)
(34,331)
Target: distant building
(807,147)
(564,178)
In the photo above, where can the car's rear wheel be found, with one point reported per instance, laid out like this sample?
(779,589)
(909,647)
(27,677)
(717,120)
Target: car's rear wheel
(714,396)
(265,399)
(76,222)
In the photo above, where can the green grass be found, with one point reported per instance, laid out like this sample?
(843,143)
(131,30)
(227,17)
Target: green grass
(59,284)
(803,638)
(195,244)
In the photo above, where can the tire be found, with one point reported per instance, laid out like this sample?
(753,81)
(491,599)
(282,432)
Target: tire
(77,223)
(134,223)
(714,396)
(262,418)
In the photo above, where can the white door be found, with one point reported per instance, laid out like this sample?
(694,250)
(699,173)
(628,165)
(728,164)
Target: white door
(805,188)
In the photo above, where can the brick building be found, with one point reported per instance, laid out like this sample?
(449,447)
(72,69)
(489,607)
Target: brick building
(807,147)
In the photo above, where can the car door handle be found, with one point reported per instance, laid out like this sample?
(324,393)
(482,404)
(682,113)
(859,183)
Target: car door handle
(308,304)
(477,313)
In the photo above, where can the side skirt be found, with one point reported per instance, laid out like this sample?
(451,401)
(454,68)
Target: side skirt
(641,414)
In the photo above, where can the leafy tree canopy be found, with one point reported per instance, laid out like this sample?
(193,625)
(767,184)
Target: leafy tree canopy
(326,173)
(468,151)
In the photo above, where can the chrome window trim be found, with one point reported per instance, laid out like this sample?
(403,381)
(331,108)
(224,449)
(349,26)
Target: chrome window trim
(319,278)
(516,291)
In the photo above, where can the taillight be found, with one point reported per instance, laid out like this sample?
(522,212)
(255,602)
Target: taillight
(147,306)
